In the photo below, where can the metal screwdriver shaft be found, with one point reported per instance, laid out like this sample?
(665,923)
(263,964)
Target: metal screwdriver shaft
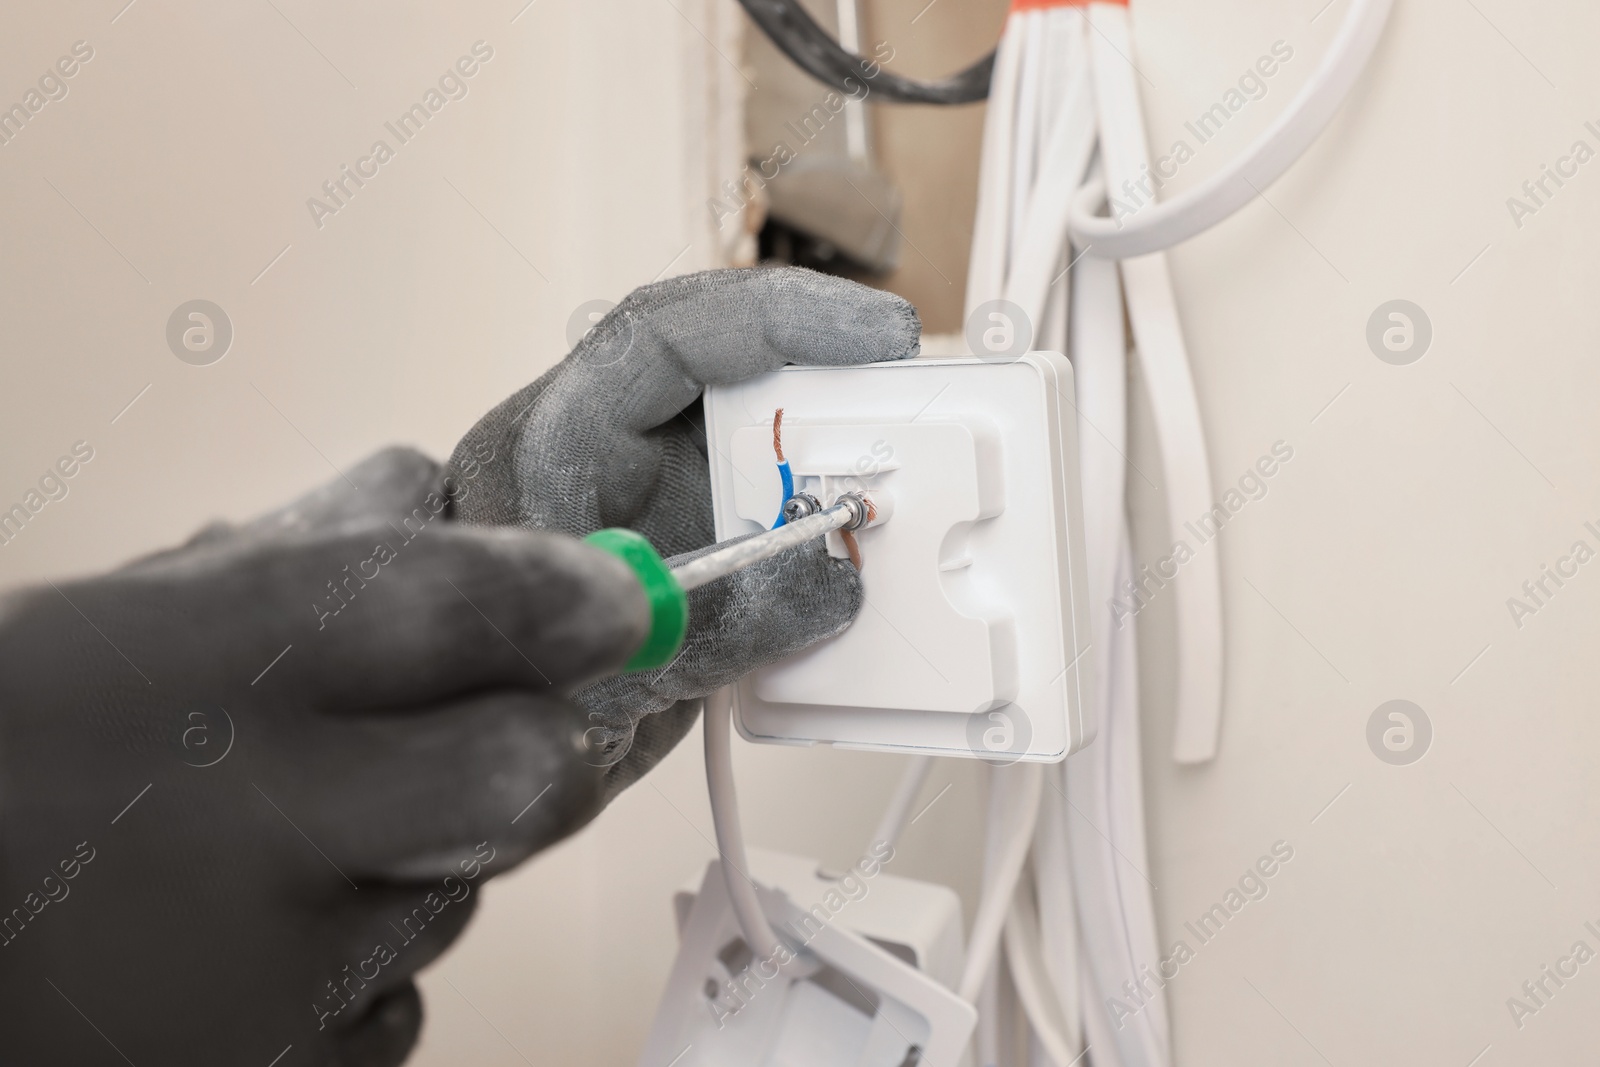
(849,513)
(666,589)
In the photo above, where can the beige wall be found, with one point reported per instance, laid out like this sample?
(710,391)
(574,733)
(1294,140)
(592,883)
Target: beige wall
(931,153)
(1379,564)
(1377,567)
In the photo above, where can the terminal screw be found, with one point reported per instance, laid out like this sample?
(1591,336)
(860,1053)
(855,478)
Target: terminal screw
(860,509)
(800,506)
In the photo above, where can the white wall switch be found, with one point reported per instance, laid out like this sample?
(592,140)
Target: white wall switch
(972,638)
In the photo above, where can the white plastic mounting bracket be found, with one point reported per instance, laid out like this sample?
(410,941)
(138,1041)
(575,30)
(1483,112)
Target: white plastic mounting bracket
(972,638)
(842,1000)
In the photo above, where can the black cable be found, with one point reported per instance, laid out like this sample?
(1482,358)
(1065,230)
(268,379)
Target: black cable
(798,36)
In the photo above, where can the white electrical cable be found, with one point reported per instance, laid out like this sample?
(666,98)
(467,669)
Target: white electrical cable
(1024,138)
(1100,373)
(855,109)
(991,227)
(898,813)
(1058,65)
(1185,466)
(1066,156)
(1022,784)
(1033,984)
(1065,58)
(1158,337)
(986,1037)
(1100,873)
(1098,1033)
(1164,224)
(717,722)
(1126,829)
(1109,908)
(1058,920)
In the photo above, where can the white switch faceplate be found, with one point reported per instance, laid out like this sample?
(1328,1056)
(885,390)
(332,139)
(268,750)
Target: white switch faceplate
(972,636)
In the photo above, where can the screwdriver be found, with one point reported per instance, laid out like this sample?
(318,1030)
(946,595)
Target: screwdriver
(667,588)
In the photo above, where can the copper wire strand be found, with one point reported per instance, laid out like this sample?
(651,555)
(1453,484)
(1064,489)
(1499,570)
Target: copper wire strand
(777,434)
(850,546)
(849,536)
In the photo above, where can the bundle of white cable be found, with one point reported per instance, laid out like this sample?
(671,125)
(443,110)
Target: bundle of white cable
(1064,122)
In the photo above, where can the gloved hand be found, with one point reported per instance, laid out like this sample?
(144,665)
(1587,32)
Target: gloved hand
(249,787)
(614,436)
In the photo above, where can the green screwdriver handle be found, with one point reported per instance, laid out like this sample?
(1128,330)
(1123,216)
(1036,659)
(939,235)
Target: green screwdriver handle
(669,604)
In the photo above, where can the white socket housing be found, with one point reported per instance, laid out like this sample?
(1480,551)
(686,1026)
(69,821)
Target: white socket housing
(973,636)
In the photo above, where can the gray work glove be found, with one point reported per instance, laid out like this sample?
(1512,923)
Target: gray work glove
(249,787)
(613,436)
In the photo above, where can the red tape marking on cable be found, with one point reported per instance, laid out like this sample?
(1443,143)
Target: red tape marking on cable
(1041,5)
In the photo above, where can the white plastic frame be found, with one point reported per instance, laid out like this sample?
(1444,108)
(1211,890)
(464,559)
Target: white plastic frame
(973,636)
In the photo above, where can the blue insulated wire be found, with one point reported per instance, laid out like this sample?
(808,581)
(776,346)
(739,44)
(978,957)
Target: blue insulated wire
(787,477)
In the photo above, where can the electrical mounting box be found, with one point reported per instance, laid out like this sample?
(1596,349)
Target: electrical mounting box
(972,638)
(868,982)
(920,922)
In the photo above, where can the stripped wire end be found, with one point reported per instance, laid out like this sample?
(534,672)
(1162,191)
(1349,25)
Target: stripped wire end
(848,535)
(785,475)
(850,546)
